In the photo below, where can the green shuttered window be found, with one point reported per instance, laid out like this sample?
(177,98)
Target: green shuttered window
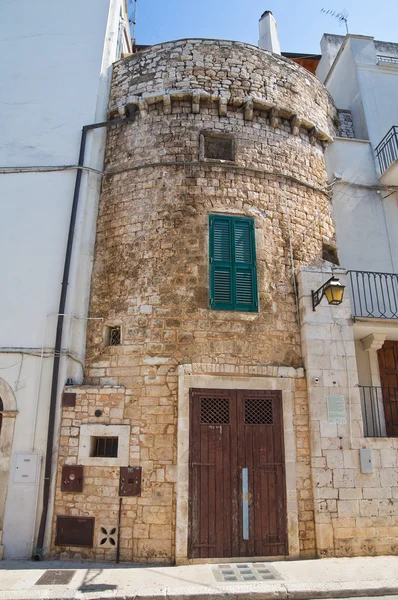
(233,277)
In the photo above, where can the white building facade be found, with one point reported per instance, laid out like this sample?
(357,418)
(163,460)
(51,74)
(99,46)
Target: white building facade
(58,70)
(351,352)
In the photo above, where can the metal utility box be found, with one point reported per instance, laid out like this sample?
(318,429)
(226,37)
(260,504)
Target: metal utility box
(365,456)
(26,466)
(69,399)
(130,481)
(75,531)
(72,479)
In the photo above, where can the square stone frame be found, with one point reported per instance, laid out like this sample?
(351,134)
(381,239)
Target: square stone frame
(231,381)
(89,430)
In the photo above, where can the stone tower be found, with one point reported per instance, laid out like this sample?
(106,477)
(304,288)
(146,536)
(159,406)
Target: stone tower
(226,140)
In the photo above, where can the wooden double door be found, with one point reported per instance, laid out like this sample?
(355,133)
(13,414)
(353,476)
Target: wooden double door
(388,365)
(237,496)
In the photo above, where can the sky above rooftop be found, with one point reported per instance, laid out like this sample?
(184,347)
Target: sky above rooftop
(300,22)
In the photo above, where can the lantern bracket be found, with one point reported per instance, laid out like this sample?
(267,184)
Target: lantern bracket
(320,292)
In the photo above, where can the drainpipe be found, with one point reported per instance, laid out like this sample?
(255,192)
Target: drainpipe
(38,553)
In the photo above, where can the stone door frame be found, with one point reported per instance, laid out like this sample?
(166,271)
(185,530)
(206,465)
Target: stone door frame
(246,378)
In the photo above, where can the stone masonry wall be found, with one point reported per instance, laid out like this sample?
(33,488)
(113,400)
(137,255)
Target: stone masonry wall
(151,260)
(356,513)
(346,126)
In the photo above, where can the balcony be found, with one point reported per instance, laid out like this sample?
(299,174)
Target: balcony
(387,156)
(379,411)
(373,295)
(387,60)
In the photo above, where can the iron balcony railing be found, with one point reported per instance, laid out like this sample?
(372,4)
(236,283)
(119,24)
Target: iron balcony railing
(379,411)
(387,150)
(374,295)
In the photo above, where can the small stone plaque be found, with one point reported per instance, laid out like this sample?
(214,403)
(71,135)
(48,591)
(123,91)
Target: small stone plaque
(336,409)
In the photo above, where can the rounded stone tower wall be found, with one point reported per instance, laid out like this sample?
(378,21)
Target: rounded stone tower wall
(218,128)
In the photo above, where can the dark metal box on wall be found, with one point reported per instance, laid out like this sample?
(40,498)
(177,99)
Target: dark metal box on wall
(69,399)
(130,481)
(72,479)
(75,531)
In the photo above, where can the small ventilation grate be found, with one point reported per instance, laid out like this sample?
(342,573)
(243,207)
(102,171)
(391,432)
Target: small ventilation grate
(56,577)
(214,411)
(107,537)
(258,411)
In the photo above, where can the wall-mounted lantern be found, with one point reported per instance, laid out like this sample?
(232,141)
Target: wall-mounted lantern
(333,289)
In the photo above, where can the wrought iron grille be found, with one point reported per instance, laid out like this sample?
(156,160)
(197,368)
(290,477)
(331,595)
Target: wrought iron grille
(379,411)
(105,447)
(258,411)
(114,336)
(374,295)
(214,411)
(387,150)
(391,60)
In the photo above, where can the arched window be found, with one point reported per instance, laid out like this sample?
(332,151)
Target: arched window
(1,411)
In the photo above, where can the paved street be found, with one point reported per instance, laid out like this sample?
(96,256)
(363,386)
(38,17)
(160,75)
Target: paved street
(288,580)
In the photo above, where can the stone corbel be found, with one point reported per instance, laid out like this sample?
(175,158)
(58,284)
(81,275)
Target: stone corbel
(166,104)
(143,107)
(274,118)
(313,136)
(249,110)
(295,125)
(223,106)
(374,341)
(196,102)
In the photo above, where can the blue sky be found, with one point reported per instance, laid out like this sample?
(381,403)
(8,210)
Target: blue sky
(300,22)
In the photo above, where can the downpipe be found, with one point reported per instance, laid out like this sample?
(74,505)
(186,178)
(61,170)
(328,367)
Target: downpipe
(39,550)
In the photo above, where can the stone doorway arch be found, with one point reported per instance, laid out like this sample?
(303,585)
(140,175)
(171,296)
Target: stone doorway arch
(8,413)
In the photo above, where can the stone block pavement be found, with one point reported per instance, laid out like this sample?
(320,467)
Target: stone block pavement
(295,580)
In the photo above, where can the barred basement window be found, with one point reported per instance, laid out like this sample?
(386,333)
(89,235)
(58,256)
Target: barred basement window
(114,336)
(233,275)
(104,447)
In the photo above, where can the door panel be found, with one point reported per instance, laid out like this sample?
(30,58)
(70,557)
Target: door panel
(232,431)
(388,365)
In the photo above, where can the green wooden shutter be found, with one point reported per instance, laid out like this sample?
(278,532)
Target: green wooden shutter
(233,278)
(221,271)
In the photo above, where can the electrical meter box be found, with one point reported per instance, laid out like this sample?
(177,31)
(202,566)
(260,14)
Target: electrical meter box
(130,481)
(72,479)
(365,456)
(26,467)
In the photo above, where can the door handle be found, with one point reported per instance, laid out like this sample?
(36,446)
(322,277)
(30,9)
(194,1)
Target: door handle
(245,503)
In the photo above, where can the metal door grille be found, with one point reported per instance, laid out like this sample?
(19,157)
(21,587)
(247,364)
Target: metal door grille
(214,411)
(258,411)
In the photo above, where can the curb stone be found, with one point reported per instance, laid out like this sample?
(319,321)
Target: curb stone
(277,592)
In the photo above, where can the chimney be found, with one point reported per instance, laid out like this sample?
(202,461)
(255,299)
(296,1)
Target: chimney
(269,33)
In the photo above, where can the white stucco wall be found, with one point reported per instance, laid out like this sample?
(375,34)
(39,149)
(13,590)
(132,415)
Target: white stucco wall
(365,223)
(56,67)
(366,214)
(360,83)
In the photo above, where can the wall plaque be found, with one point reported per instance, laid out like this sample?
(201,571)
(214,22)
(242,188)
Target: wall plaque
(336,409)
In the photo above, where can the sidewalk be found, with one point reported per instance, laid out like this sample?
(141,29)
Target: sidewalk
(294,580)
